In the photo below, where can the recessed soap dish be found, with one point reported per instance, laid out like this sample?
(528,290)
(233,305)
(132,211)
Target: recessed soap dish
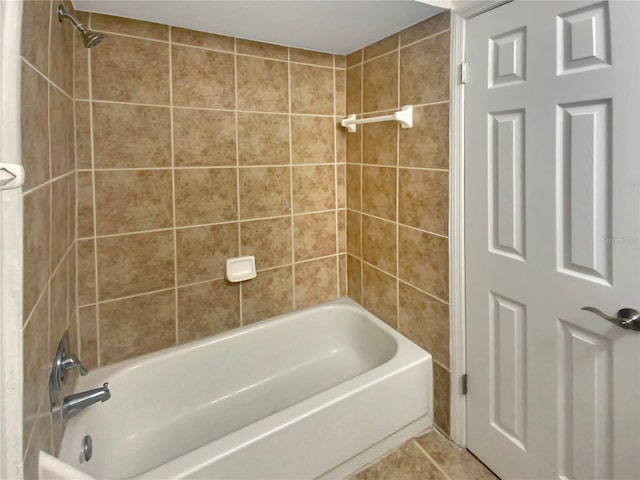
(240,269)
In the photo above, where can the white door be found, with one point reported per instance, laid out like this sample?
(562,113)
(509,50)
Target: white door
(552,186)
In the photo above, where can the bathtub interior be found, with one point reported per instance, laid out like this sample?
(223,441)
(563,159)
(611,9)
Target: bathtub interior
(186,398)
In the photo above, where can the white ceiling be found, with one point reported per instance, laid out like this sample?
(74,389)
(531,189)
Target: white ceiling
(335,26)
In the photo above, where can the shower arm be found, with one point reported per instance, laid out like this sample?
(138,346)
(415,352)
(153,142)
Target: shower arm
(62,14)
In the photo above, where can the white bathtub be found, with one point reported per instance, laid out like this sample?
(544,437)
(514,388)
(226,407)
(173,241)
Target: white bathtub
(320,392)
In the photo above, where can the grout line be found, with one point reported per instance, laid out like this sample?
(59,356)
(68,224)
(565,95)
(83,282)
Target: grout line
(293,238)
(435,464)
(399,223)
(51,181)
(47,79)
(397,219)
(403,167)
(361,133)
(173,194)
(206,167)
(335,180)
(235,78)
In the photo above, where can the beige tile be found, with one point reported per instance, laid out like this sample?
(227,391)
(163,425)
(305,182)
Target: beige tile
(61,211)
(342,275)
(34,115)
(264,192)
(135,326)
(267,295)
(263,139)
(36,245)
(427,143)
(36,363)
(133,201)
(354,184)
(73,195)
(263,85)
(312,139)
(131,136)
(380,83)
(86,272)
(424,200)
(311,90)
(72,296)
(354,279)
(207,309)
(341,92)
(80,69)
(457,462)
(205,196)
(381,47)
(313,188)
(316,282)
(379,294)
(340,61)
(268,240)
(128,26)
(259,49)
(379,191)
(424,71)
(315,235)
(341,144)
(202,39)
(61,130)
(354,233)
(426,28)
(424,261)
(202,78)
(354,58)
(380,143)
(61,51)
(204,138)
(354,147)
(342,231)
(202,251)
(425,321)
(35,33)
(132,264)
(406,463)
(379,243)
(58,304)
(342,186)
(83,135)
(441,397)
(354,90)
(125,69)
(311,57)
(88,336)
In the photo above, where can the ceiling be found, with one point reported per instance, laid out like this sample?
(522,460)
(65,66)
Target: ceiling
(334,26)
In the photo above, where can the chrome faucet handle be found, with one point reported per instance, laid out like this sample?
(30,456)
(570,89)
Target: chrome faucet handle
(70,361)
(62,363)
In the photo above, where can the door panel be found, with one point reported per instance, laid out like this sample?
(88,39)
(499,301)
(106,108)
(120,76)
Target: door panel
(552,177)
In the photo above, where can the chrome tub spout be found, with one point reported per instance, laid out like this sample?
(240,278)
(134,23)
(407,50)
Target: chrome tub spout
(79,401)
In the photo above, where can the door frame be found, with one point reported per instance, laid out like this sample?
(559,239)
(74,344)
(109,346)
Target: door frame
(11,374)
(457,269)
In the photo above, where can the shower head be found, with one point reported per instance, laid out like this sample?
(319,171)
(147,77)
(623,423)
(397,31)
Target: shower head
(89,38)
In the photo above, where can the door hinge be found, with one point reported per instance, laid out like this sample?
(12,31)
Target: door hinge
(464,384)
(463,73)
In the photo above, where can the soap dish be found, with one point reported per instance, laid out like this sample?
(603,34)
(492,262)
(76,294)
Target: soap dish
(240,269)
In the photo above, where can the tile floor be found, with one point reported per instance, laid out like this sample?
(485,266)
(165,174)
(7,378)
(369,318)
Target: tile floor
(430,457)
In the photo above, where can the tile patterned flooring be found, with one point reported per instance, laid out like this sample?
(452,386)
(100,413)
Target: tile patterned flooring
(430,457)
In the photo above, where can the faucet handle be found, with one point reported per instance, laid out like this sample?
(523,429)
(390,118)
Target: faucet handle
(70,361)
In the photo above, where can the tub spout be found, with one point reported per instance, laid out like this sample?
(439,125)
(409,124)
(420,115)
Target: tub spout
(79,401)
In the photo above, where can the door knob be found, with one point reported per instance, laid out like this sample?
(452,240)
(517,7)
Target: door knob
(627,318)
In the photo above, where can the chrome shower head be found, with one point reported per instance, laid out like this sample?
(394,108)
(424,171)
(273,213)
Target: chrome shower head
(89,38)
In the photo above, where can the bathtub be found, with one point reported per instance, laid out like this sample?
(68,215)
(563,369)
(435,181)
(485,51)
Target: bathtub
(318,393)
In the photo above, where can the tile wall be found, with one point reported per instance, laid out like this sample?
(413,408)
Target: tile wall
(49,304)
(193,148)
(398,190)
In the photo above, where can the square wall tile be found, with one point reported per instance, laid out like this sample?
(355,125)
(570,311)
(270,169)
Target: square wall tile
(379,191)
(58,304)
(380,83)
(134,326)
(263,85)
(354,58)
(315,235)
(61,211)
(424,200)
(354,90)
(61,128)
(202,78)
(34,45)
(83,135)
(354,233)
(427,143)
(424,261)
(342,275)
(202,39)
(354,185)
(379,243)
(267,295)
(426,28)
(381,47)
(264,192)
(312,139)
(133,264)
(205,195)
(204,138)
(263,139)
(268,240)
(354,278)
(128,26)
(260,49)
(354,146)
(61,51)
(379,294)
(87,319)
(207,309)
(316,282)
(311,90)
(341,92)
(342,231)
(133,201)
(85,205)
(441,397)
(380,143)
(34,115)
(126,69)
(202,251)
(131,136)
(311,57)
(424,71)
(341,183)
(313,188)
(87,293)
